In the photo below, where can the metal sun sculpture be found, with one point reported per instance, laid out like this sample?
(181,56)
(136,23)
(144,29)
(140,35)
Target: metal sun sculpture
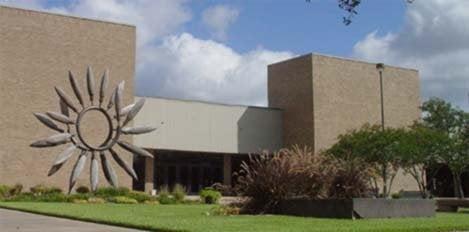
(71,133)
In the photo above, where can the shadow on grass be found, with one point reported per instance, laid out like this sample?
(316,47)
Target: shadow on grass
(93,220)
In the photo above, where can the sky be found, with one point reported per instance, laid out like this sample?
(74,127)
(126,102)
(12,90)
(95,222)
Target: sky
(218,50)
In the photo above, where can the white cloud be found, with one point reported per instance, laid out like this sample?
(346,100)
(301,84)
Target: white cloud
(433,39)
(171,64)
(153,18)
(191,68)
(218,18)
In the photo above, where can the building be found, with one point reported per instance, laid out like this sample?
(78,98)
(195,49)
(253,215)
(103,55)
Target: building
(312,99)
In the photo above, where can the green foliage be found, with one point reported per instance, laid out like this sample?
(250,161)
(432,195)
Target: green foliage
(82,189)
(16,189)
(140,196)
(164,196)
(41,189)
(226,210)
(209,196)
(112,192)
(453,122)
(123,200)
(96,200)
(420,150)
(4,191)
(179,193)
(31,197)
(396,196)
(375,146)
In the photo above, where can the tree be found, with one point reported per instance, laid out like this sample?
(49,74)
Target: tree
(379,148)
(420,148)
(453,122)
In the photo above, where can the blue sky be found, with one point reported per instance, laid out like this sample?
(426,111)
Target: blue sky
(218,50)
(301,27)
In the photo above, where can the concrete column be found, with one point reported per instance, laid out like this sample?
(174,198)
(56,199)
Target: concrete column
(149,170)
(227,169)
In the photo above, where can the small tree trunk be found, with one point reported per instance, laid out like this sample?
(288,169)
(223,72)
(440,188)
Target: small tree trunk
(385,181)
(458,191)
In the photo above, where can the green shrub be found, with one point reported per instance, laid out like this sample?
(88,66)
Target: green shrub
(226,210)
(396,195)
(4,191)
(41,189)
(79,201)
(123,200)
(31,197)
(16,189)
(51,197)
(96,200)
(112,192)
(141,196)
(209,196)
(79,196)
(82,189)
(164,197)
(179,193)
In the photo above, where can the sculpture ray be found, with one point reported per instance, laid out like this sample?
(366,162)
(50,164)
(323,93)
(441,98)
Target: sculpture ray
(109,173)
(137,130)
(53,140)
(134,149)
(64,108)
(94,169)
(77,169)
(54,169)
(103,86)
(118,99)
(60,117)
(123,164)
(90,83)
(65,155)
(66,99)
(75,87)
(112,99)
(124,111)
(48,122)
(134,111)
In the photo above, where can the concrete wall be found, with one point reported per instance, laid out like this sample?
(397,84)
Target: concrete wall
(331,95)
(207,127)
(36,51)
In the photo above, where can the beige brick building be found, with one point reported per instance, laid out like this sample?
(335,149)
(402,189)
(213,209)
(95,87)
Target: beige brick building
(312,99)
(323,97)
(36,51)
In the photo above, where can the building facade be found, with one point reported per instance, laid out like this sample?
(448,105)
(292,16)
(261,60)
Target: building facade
(312,99)
(36,52)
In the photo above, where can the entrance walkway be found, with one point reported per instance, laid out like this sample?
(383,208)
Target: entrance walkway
(15,221)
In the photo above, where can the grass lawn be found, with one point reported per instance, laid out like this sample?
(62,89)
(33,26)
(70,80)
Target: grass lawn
(199,218)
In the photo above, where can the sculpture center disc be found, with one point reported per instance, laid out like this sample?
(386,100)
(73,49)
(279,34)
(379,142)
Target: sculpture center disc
(94,128)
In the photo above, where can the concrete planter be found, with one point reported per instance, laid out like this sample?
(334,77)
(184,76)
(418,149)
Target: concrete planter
(359,208)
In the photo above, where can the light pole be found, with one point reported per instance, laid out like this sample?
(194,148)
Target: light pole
(380,68)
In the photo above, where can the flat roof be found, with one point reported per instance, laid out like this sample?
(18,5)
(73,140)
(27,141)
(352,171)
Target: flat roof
(349,59)
(209,102)
(66,16)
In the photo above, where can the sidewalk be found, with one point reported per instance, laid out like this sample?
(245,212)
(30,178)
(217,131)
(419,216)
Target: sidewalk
(15,221)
